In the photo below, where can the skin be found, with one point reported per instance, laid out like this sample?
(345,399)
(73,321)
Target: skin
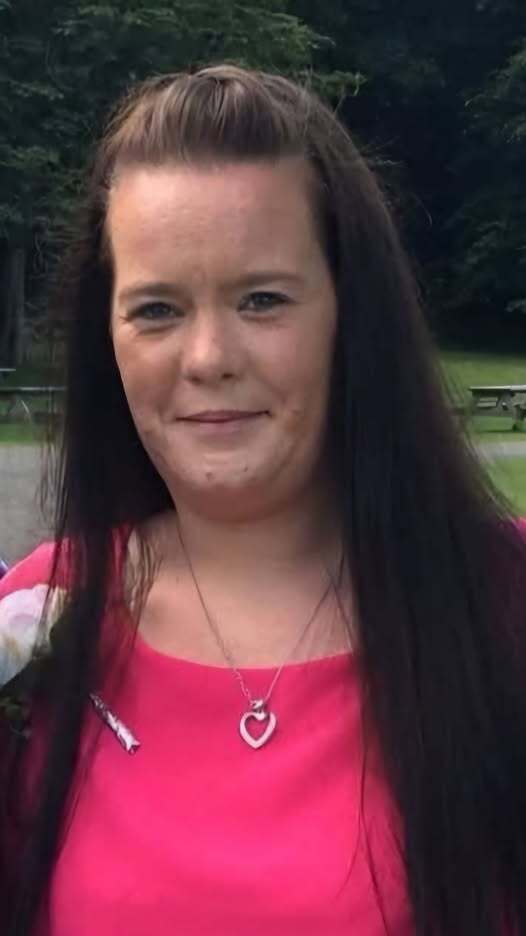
(198,325)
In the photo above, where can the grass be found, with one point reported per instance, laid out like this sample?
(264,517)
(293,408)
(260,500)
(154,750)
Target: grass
(469,368)
(496,429)
(33,375)
(18,430)
(18,433)
(509,475)
(463,369)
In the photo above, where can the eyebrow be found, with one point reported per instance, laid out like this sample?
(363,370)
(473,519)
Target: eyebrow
(167,290)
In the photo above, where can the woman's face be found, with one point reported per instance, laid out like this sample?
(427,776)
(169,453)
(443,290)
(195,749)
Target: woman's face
(223,322)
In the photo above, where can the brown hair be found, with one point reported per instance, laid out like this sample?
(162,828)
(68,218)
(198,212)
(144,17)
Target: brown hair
(436,561)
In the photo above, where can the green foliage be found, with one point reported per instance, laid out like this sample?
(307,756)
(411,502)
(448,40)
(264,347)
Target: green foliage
(509,476)
(490,226)
(435,91)
(442,111)
(64,64)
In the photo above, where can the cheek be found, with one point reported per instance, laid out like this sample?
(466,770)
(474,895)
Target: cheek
(304,380)
(145,374)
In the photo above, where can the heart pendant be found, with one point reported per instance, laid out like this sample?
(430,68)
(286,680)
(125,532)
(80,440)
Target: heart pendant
(260,714)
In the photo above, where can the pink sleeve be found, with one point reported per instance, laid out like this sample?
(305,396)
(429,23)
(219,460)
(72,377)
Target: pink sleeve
(35,569)
(28,610)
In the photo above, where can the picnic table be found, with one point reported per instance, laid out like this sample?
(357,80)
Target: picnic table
(15,397)
(509,399)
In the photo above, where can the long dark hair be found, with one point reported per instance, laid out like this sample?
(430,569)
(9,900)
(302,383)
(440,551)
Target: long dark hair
(437,561)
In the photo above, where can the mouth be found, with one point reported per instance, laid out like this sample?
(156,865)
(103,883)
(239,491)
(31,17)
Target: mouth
(222,416)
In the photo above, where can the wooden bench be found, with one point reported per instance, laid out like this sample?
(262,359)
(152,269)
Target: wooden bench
(504,399)
(15,396)
(519,416)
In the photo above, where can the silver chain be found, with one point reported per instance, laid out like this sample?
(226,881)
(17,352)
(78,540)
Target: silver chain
(224,648)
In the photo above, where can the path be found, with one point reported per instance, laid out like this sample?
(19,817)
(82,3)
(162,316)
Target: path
(503,449)
(21,525)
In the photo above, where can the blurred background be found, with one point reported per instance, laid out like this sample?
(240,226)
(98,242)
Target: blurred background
(435,94)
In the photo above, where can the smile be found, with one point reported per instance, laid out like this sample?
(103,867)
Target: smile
(220,424)
(221,416)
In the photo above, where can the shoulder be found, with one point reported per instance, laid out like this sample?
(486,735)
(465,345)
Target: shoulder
(28,609)
(34,569)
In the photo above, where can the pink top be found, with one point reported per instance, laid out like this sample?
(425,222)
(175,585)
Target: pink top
(198,834)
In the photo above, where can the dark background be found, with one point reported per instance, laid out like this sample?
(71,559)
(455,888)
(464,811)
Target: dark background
(434,90)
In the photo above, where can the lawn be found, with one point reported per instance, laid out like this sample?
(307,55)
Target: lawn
(466,368)
(20,433)
(463,369)
(509,475)
(17,430)
(33,375)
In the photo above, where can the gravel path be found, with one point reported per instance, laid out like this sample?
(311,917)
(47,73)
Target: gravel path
(22,526)
(503,449)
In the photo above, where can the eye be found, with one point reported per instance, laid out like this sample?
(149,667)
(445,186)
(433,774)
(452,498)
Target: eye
(155,312)
(264,301)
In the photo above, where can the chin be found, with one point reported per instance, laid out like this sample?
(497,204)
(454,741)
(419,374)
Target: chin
(221,495)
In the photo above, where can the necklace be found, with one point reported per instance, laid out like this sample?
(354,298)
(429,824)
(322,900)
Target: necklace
(258,708)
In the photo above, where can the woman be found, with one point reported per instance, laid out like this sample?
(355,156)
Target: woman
(319,724)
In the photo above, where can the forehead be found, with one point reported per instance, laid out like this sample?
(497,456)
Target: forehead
(232,210)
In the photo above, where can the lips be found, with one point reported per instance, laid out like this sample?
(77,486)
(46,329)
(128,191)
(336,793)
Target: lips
(220,416)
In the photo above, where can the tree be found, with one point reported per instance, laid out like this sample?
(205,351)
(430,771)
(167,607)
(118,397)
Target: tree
(437,79)
(490,226)
(433,91)
(62,66)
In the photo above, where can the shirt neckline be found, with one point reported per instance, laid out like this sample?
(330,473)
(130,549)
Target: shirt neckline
(336,660)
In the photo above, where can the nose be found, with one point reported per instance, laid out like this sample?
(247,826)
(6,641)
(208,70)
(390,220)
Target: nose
(210,351)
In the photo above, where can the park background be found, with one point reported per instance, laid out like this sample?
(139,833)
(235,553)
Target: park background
(434,92)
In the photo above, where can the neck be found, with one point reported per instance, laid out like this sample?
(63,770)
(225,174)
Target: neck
(281,540)
(261,577)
